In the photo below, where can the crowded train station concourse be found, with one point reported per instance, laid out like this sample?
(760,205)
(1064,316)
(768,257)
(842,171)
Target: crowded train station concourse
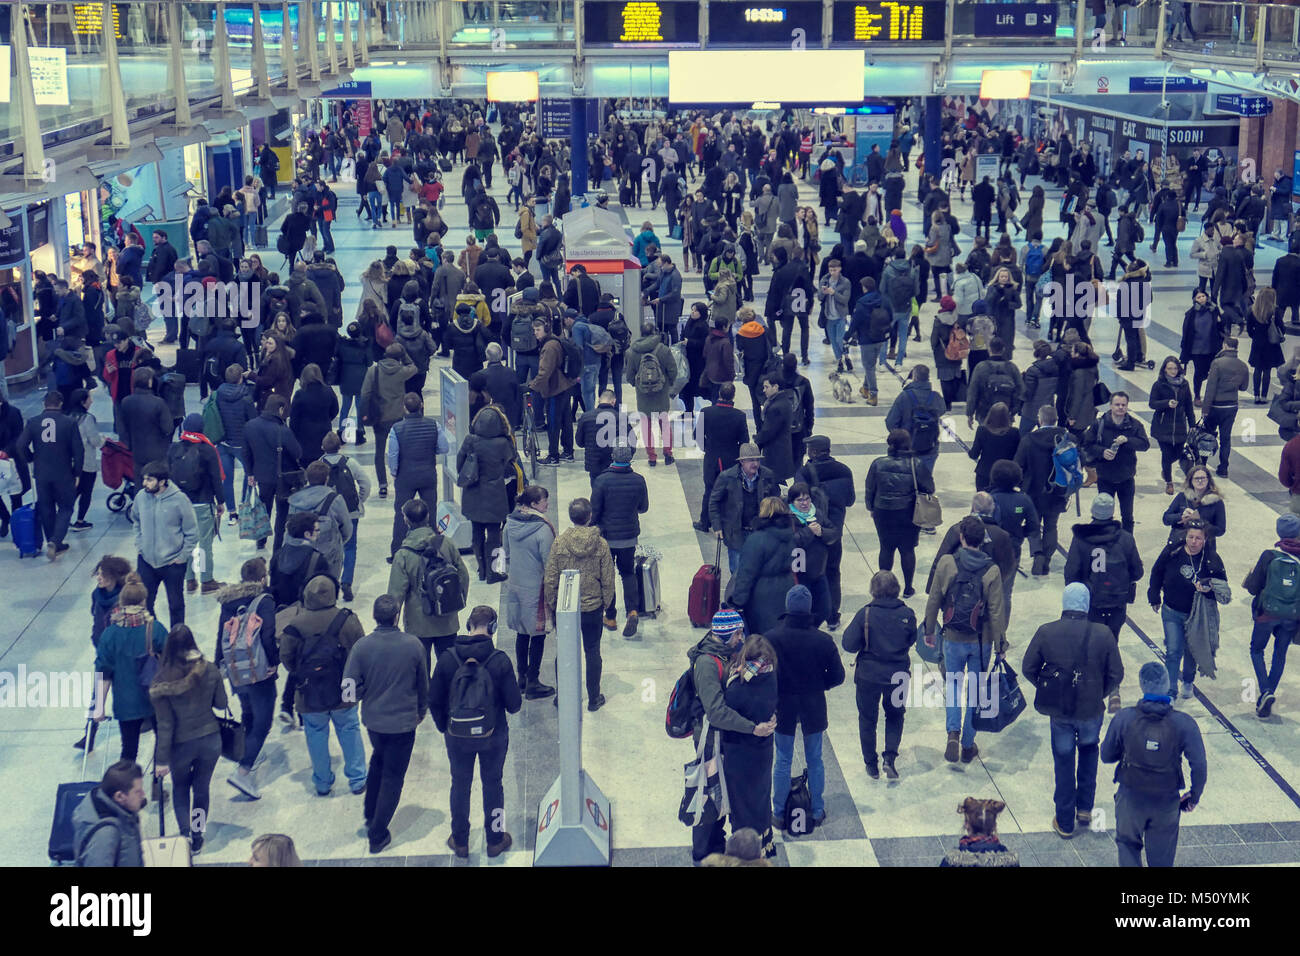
(448,420)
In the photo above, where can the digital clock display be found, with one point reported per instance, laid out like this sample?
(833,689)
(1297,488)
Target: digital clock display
(740,24)
(888,21)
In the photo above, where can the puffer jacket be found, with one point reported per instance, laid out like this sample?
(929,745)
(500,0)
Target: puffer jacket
(764,573)
(182,708)
(581,549)
(235,405)
(486,500)
(387,378)
(1079,407)
(528,539)
(354,361)
(1040,388)
(890,486)
(617,499)
(468,339)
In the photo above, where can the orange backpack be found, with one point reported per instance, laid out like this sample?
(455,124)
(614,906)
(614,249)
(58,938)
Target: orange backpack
(958,345)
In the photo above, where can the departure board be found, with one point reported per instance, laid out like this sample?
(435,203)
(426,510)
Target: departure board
(641,23)
(888,21)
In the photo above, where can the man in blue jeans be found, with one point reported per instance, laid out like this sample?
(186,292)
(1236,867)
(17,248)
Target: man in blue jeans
(871,323)
(1070,646)
(1275,608)
(316,636)
(810,665)
(967,589)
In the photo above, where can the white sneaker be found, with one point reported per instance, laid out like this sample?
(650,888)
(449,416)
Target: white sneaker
(1186,691)
(245,783)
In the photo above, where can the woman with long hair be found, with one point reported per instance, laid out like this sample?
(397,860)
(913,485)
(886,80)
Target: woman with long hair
(274,849)
(1199,501)
(751,691)
(92,439)
(132,635)
(1264,326)
(995,440)
(275,370)
(811,244)
(184,693)
(1172,414)
(374,288)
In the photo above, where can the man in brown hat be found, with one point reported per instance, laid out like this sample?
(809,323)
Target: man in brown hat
(733,505)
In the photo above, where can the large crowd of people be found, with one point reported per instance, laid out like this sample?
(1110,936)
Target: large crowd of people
(545,350)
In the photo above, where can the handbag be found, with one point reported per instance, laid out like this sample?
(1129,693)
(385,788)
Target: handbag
(927,512)
(1101,394)
(1058,688)
(287,482)
(1275,336)
(997,711)
(931,655)
(232,737)
(165,851)
(705,780)
(254,522)
(467,474)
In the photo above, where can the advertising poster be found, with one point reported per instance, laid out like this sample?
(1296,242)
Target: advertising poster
(873,130)
(363,117)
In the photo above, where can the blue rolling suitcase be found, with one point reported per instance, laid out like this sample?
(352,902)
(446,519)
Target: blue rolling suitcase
(27,532)
(63,844)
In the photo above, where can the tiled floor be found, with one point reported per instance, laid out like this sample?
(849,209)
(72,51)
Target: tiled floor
(908,822)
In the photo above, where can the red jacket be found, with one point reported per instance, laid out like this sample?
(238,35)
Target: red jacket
(1288,470)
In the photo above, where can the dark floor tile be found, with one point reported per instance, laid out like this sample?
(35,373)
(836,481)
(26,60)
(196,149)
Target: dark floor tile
(1059,858)
(1192,856)
(1047,842)
(1217,834)
(378,861)
(1098,858)
(927,862)
(894,847)
(1257,832)
(1276,852)
(1289,830)
(1238,854)
(637,856)
(437,859)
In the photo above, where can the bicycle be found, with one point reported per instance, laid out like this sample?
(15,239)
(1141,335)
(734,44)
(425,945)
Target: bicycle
(530,445)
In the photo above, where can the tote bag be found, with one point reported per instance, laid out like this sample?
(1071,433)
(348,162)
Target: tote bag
(927,512)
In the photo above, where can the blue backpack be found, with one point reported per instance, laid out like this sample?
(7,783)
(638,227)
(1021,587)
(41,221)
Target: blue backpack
(684,706)
(1066,474)
(1035,259)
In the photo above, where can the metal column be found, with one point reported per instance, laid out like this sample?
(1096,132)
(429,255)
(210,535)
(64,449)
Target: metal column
(578,172)
(933,138)
(573,817)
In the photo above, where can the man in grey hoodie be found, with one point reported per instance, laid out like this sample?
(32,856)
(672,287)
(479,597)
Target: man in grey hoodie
(387,671)
(107,821)
(334,529)
(166,535)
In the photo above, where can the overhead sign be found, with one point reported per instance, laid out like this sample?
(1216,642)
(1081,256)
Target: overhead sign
(784,24)
(819,77)
(888,21)
(512,86)
(349,90)
(1015,19)
(1166,84)
(1005,85)
(88,19)
(640,23)
(1243,105)
(555,117)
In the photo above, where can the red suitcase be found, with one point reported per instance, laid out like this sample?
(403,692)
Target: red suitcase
(706,591)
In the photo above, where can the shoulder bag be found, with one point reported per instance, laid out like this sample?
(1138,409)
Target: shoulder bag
(288,481)
(232,737)
(927,512)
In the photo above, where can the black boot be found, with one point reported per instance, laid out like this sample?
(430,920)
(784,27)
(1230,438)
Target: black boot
(87,741)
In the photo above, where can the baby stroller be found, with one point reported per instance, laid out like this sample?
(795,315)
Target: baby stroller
(1202,444)
(117,468)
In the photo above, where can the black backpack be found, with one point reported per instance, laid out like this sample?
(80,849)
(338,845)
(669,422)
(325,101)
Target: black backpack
(619,332)
(522,338)
(440,589)
(1152,763)
(963,603)
(286,584)
(472,699)
(924,427)
(186,468)
(345,483)
(1109,587)
(319,674)
(1000,387)
(572,359)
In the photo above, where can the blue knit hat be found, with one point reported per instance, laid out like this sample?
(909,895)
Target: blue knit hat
(726,622)
(798,600)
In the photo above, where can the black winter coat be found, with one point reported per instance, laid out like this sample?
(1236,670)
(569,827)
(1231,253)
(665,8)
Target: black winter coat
(235,405)
(468,348)
(314,343)
(486,500)
(1072,641)
(890,486)
(774,438)
(881,634)
(262,437)
(835,480)
(807,666)
(354,358)
(311,416)
(725,429)
(146,427)
(1041,380)
(618,499)
(763,576)
(727,503)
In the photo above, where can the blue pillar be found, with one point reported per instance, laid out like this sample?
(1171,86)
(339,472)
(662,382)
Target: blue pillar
(578,173)
(934,135)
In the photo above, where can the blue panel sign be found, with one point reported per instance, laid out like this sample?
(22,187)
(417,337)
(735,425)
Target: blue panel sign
(1015,19)
(556,120)
(350,90)
(1171,84)
(1243,105)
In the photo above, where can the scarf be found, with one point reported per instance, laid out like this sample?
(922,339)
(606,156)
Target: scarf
(198,438)
(130,615)
(754,668)
(804,517)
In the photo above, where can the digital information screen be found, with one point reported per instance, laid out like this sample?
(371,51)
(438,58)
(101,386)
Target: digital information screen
(641,22)
(888,21)
(744,24)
